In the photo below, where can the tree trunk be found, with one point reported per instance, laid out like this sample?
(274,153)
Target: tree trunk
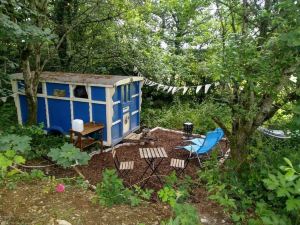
(31,80)
(238,146)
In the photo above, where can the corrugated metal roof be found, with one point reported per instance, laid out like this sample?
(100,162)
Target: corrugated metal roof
(64,77)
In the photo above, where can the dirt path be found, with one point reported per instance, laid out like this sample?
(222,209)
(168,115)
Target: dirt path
(30,204)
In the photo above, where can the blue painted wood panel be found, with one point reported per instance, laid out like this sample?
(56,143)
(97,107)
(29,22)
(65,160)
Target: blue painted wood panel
(60,114)
(117,110)
(51,87)
(134,87)
(99,116)
(81,111)
(117,94)
(134,121)
(116,131)
(134,104)
(98,94)
(41,107)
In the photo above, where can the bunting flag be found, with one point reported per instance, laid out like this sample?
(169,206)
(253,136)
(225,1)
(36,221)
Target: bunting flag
(206,88)
(185,90)
(152,84)
(159,85)
(172,89)
(165,87)
(198,89)
(3,99)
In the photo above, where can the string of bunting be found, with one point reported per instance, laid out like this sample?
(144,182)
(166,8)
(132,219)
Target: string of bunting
(4,98)
(173,89)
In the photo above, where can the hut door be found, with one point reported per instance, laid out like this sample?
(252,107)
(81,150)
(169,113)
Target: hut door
(126,123)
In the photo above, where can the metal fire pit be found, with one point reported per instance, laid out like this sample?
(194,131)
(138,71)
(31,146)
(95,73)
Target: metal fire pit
(188,129)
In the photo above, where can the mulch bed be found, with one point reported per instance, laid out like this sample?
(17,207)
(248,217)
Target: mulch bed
(99,162)
(167,139)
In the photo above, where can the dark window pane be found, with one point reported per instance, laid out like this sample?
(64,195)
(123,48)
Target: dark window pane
(80,92)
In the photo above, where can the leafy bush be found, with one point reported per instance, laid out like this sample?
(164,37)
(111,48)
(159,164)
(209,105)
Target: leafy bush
(8,159)
(68,156)
(175,193)
(20,144)
(111,191)
(8,114)
(185,214)
(41,143)
(284,194)
(238,191)
(175,115)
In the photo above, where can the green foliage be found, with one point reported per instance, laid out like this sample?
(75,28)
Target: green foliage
(167,194)
(68,156)
(174,115)
(8,159)
(185,214)
(8,115)
(40,143)
(111,191)
(20,144)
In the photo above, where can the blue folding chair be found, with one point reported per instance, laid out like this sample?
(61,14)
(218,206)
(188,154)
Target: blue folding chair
(209,142)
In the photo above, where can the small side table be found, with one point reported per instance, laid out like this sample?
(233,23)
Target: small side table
(89,128)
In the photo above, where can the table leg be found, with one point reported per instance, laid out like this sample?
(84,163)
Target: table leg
(151,165)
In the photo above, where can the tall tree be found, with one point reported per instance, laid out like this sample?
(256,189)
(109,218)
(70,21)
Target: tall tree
(260,52)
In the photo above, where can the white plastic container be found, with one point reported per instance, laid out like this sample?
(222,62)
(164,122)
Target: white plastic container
(77,125)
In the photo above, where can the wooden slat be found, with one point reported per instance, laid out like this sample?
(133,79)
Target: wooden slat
(146,153)
(182,164)
(164,152)
(172,163)
(156,152)
(141,153)
(161,155)
(153,153)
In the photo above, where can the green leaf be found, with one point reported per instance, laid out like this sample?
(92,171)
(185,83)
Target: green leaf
(292,204)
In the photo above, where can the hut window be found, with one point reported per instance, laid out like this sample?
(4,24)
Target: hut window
(80,92)
(40,88)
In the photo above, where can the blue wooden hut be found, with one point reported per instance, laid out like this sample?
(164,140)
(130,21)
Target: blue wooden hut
(114,101)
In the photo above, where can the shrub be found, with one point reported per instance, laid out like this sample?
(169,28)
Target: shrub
(175,115)
(111,191)
(184,214)
(68,156)
(41,143)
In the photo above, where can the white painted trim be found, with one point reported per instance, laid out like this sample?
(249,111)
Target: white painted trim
(109,92)
(62,82)
(128,80)
(116,122)
(136,95)
(14,85)
(98,102)
(116,103)
(46,104)
(134,112)
(60,98)
(89,89)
